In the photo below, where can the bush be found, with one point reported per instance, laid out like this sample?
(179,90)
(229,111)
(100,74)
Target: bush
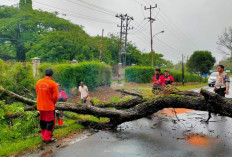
(93,74)
(141,74)
(17,77)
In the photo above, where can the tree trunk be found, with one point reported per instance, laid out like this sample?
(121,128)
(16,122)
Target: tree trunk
(143,108)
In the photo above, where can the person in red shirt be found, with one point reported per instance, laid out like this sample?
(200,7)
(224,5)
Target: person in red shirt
(62,98)
(62,94)
(47,96)
(168,78)
(158,80)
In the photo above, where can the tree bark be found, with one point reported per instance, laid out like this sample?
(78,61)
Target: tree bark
(121,105)
(17,97)
(143,108)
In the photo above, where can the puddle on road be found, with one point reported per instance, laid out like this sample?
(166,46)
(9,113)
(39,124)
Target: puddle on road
(201,140)
(171,111)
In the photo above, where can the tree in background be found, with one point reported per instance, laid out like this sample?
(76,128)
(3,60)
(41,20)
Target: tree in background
(25,5)
(200,62)
(23,27)
(225,42)
(158,60)
(227,62)
(26,33)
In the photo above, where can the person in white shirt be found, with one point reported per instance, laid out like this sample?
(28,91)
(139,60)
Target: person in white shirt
(83,90)
(222,84)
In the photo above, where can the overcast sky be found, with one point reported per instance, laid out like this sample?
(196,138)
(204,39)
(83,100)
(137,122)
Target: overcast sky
(189,25)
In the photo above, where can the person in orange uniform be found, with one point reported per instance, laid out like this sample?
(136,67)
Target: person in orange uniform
(47,96)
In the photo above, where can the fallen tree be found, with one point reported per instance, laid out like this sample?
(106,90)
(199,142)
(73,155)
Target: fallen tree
(142,108)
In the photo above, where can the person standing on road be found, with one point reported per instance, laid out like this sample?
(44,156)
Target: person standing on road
(222,82)
(83,90)
(47,96)
(168,78)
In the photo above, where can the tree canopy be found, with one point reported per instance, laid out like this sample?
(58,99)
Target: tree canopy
(225,42)
(26,33)
(201,61)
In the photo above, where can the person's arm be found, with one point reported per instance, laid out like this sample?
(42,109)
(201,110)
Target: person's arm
(162,80)
(215,83)
(65,96)
(55,93)
(172,78)
(87,91)
(79,91)
(227,80)
(153,79)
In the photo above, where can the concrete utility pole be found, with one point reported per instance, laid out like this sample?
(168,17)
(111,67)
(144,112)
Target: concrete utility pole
(151,21)
(123,36)
(100,57)
(128,20)
(126,27)
(182,69)
(123,42)
(122,18)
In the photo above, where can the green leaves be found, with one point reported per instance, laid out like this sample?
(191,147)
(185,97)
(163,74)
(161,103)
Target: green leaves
(143,74)
(17,77)
(93,74)
(24,27)
(201,61)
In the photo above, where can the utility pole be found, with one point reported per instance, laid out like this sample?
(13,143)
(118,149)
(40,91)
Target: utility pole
(100,57)
(151,21)
(122,18)
(182,69)
(128,20)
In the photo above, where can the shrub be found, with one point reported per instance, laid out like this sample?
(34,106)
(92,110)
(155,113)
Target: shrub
(17,77)
(141,74)
(93,74)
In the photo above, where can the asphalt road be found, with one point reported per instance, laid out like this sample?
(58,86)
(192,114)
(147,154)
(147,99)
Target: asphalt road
(160,136)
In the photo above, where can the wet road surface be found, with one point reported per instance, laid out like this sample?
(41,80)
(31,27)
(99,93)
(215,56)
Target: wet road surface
(161,136)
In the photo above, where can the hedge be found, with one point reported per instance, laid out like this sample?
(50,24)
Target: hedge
(142,74)
(93,74)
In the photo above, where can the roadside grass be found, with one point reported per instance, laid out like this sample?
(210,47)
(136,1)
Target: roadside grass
(28,142)
(189,87)
(10,148)
(146,89)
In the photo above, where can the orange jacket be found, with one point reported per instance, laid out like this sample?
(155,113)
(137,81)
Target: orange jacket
(47,94)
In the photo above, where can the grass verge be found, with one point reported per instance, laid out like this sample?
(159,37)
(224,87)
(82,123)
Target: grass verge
(189,87)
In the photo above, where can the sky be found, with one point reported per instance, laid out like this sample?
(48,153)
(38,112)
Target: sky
(188,25)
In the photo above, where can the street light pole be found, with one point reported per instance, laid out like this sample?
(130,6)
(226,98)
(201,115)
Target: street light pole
(153,37)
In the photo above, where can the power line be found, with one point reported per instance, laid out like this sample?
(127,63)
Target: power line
(91,7)
(96,6)
(77,15)
(177,28)
(139,29)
